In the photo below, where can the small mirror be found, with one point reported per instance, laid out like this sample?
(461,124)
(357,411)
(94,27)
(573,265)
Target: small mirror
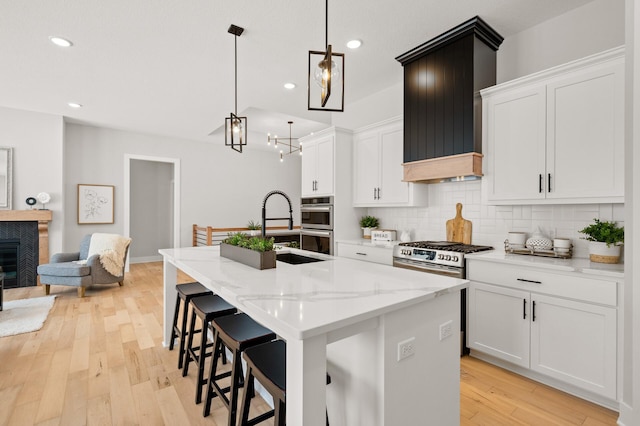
(6,166)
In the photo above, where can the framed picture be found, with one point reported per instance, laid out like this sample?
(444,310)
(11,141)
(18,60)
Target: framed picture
(95,204)
(5,178)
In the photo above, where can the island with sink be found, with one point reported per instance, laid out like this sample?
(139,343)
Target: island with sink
(381,332)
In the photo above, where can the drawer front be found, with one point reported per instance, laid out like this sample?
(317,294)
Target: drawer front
(571,286)
(368,254)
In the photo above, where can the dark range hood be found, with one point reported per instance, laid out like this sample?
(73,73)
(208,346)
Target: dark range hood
(442,105)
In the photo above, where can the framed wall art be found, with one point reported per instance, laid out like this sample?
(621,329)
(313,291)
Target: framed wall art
(95,204)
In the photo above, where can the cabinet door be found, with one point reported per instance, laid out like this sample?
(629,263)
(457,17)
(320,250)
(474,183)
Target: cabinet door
(585,134)
(392,189)
(324,167)
(499,322)
(309,169)
(575,342)
(366,158)
(516,144)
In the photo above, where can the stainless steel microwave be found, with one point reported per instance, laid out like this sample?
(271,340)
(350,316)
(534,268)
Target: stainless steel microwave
(317,213)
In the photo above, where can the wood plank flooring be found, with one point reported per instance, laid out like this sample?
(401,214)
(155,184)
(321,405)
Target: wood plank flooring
(99,360)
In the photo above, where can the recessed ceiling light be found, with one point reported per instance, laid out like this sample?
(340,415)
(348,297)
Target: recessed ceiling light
(289,86)
(59,41)
(354,44)
(74,105)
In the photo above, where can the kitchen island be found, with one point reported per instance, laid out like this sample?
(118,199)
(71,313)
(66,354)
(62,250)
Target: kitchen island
(350,318)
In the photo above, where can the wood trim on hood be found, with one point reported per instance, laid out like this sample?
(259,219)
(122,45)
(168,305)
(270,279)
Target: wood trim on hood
(435,169)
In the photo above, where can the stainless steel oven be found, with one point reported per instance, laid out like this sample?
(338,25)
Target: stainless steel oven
(318,240)
(442,258)
(316,220)
(317,213)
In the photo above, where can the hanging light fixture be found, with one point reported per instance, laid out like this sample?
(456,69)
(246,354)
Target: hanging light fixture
(326,69)
(235,128)
(288,144)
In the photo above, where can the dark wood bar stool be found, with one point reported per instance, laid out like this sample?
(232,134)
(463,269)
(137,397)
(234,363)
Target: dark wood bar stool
(207,308)
(237,333)
(185,292)
(267,363)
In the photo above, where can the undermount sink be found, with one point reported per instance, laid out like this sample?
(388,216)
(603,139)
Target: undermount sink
(296,259)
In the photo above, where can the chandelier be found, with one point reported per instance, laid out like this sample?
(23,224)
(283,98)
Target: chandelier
(326,69)
(235,128)
(287,144)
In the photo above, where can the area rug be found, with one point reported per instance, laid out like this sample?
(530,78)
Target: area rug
(24,315)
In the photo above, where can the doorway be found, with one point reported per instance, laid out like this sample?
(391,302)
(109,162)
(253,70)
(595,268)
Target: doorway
(151,205)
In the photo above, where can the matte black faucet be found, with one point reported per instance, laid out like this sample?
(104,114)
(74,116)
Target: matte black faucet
(264,212)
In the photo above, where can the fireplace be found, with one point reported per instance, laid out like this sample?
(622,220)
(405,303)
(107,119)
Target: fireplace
(24,244)
(9,259)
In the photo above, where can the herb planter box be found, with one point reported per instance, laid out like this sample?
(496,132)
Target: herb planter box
(255,259)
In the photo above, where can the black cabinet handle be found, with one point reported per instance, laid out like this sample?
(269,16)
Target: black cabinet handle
(533,313)
(524,308)
(529,281)
(378,193)
(540,183)
(375,197)
(361,254)
(549,182)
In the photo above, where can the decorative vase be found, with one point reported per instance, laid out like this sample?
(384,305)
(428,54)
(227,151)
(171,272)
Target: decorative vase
(366,233)
(255,259)
(600,253)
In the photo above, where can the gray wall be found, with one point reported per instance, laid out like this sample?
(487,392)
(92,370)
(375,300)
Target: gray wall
(151,209)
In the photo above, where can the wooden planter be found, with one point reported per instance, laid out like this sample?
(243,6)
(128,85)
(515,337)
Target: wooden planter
(255,259)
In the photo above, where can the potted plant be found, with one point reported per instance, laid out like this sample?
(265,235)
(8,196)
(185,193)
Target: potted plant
(254,227)
(605,240)
(367,223)
(250,250)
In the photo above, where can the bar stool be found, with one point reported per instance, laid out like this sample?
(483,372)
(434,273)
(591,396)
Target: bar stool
(206,308)
(267,363)
(185,292)
(237,333)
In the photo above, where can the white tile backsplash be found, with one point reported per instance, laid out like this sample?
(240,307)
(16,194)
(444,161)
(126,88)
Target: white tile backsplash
(490,224)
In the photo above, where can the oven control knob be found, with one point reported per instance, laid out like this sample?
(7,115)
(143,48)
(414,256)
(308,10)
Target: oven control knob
(448,257)
(440,256)
(455,258)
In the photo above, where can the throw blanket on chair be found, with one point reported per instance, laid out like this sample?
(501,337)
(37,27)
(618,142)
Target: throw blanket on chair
(111,248)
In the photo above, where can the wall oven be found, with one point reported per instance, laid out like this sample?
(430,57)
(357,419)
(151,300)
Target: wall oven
(316,220)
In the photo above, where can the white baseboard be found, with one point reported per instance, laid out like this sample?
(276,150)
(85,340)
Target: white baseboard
(626,415)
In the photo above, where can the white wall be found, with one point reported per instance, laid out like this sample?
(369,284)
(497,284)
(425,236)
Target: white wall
(37,141)
(581,32)
(220,187)
(374,108)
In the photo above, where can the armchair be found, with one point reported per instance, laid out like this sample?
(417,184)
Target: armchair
(85,267)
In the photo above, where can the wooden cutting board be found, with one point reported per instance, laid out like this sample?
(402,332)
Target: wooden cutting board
(458,228)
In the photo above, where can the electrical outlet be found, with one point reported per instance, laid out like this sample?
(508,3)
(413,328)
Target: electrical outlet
(406,348)
(446,330)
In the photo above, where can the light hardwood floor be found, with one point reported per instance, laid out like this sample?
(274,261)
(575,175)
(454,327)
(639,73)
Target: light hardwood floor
(99,360)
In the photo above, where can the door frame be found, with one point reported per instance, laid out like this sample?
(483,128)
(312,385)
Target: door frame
(176,192)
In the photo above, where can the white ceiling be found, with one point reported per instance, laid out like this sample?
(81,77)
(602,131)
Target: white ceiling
(165,67)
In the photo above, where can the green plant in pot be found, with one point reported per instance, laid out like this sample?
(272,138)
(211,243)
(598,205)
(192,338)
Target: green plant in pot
(605,241)
(251,250)
(254,227)
(367,223)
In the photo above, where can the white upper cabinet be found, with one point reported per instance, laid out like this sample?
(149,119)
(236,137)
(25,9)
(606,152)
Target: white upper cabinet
(318,166)
(557,136)
(377,168)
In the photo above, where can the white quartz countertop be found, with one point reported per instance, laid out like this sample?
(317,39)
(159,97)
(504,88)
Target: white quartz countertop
(369,243)
(580,265)
(300,301)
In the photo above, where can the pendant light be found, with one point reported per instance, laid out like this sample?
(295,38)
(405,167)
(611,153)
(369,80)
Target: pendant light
(286,142)
(235,128)
(325,76)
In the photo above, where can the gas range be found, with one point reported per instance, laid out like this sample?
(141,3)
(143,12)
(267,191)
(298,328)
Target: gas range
(441,255)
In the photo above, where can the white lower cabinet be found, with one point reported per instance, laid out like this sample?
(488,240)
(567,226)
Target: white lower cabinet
(365,252)
(524,316)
